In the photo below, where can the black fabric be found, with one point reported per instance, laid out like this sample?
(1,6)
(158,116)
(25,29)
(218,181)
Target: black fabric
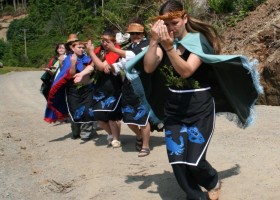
(190,178)
(79,102)
(46,85)
(107,87)
(189,125)
(139,47)
(105,116)
(132,109)
(236,102)
(47,80)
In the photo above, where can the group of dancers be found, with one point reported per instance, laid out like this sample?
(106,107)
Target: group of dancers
(171,78)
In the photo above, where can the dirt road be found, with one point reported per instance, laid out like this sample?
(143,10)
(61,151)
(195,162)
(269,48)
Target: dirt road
(40,161)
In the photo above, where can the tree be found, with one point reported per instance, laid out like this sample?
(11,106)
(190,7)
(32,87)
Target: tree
(14,4)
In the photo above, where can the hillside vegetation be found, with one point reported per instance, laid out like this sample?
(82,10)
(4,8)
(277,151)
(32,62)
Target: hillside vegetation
(30,41)
(249,28)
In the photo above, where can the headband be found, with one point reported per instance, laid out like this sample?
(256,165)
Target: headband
(170,15)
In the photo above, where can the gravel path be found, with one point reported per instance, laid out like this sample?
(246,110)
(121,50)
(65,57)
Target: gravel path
(40,161)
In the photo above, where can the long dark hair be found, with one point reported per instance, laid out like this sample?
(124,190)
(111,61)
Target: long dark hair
(56,48)
(193,25)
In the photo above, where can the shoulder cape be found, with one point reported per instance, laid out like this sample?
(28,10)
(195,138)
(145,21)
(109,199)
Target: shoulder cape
(237,79)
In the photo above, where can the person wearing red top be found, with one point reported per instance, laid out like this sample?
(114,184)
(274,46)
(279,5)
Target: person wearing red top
(107,95)
(110,57)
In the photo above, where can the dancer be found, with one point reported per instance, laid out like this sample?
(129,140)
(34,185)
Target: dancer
(135,113)
(67,98)
(107,92)
(184,49)
(53,69)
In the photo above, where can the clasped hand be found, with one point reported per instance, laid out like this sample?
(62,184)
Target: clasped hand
(159,33)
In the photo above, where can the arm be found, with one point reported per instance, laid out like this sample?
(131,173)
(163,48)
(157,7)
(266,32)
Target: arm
(99,65)
(49,68)
(154,54)
(79,76)
(73,59)
(118,66)
(111,46)
(184,67)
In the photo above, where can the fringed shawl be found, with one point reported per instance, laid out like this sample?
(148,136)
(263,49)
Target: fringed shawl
(237,78)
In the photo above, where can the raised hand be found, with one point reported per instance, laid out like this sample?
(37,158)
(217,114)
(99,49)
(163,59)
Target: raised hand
(166,38)
(90,46)
(73,58)
(154,30)
(110,45)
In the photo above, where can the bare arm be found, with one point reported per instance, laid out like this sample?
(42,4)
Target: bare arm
(154,54)
(184,67)
(152,57)
(111,46)
(99,65)
(79,76)
(73,59)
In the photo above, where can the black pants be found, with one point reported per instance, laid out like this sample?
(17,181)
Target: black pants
(190,178)
(83,130)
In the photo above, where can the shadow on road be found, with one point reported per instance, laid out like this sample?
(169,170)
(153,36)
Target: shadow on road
(167,186)
(128,141)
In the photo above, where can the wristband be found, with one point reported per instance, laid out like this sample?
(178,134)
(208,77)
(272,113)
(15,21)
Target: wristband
(170,49)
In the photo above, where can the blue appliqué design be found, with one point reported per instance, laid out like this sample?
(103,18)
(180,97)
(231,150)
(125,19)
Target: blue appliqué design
(141,112)
(91,112)
(194,134)
(79,112)
(172,146)
(108,101)
(128,109)
(98,97)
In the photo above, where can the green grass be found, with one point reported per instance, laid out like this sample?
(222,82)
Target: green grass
(5,70)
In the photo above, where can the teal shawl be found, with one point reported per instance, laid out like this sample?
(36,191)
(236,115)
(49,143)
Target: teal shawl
(237,79)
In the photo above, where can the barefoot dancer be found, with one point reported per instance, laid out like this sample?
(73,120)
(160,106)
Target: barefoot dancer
(183,48)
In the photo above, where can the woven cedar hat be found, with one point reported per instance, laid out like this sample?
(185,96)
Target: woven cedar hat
(135,27)
(72,38)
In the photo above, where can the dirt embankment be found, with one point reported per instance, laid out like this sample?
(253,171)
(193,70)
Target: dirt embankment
(5,22)
(257,36)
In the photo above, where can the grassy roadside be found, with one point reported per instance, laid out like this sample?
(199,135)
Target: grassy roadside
(5,70)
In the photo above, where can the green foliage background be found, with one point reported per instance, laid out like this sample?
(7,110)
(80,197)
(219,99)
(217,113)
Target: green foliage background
(49,22)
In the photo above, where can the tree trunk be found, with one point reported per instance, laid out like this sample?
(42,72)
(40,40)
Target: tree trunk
(94,8)
(24,4)
(15,5)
